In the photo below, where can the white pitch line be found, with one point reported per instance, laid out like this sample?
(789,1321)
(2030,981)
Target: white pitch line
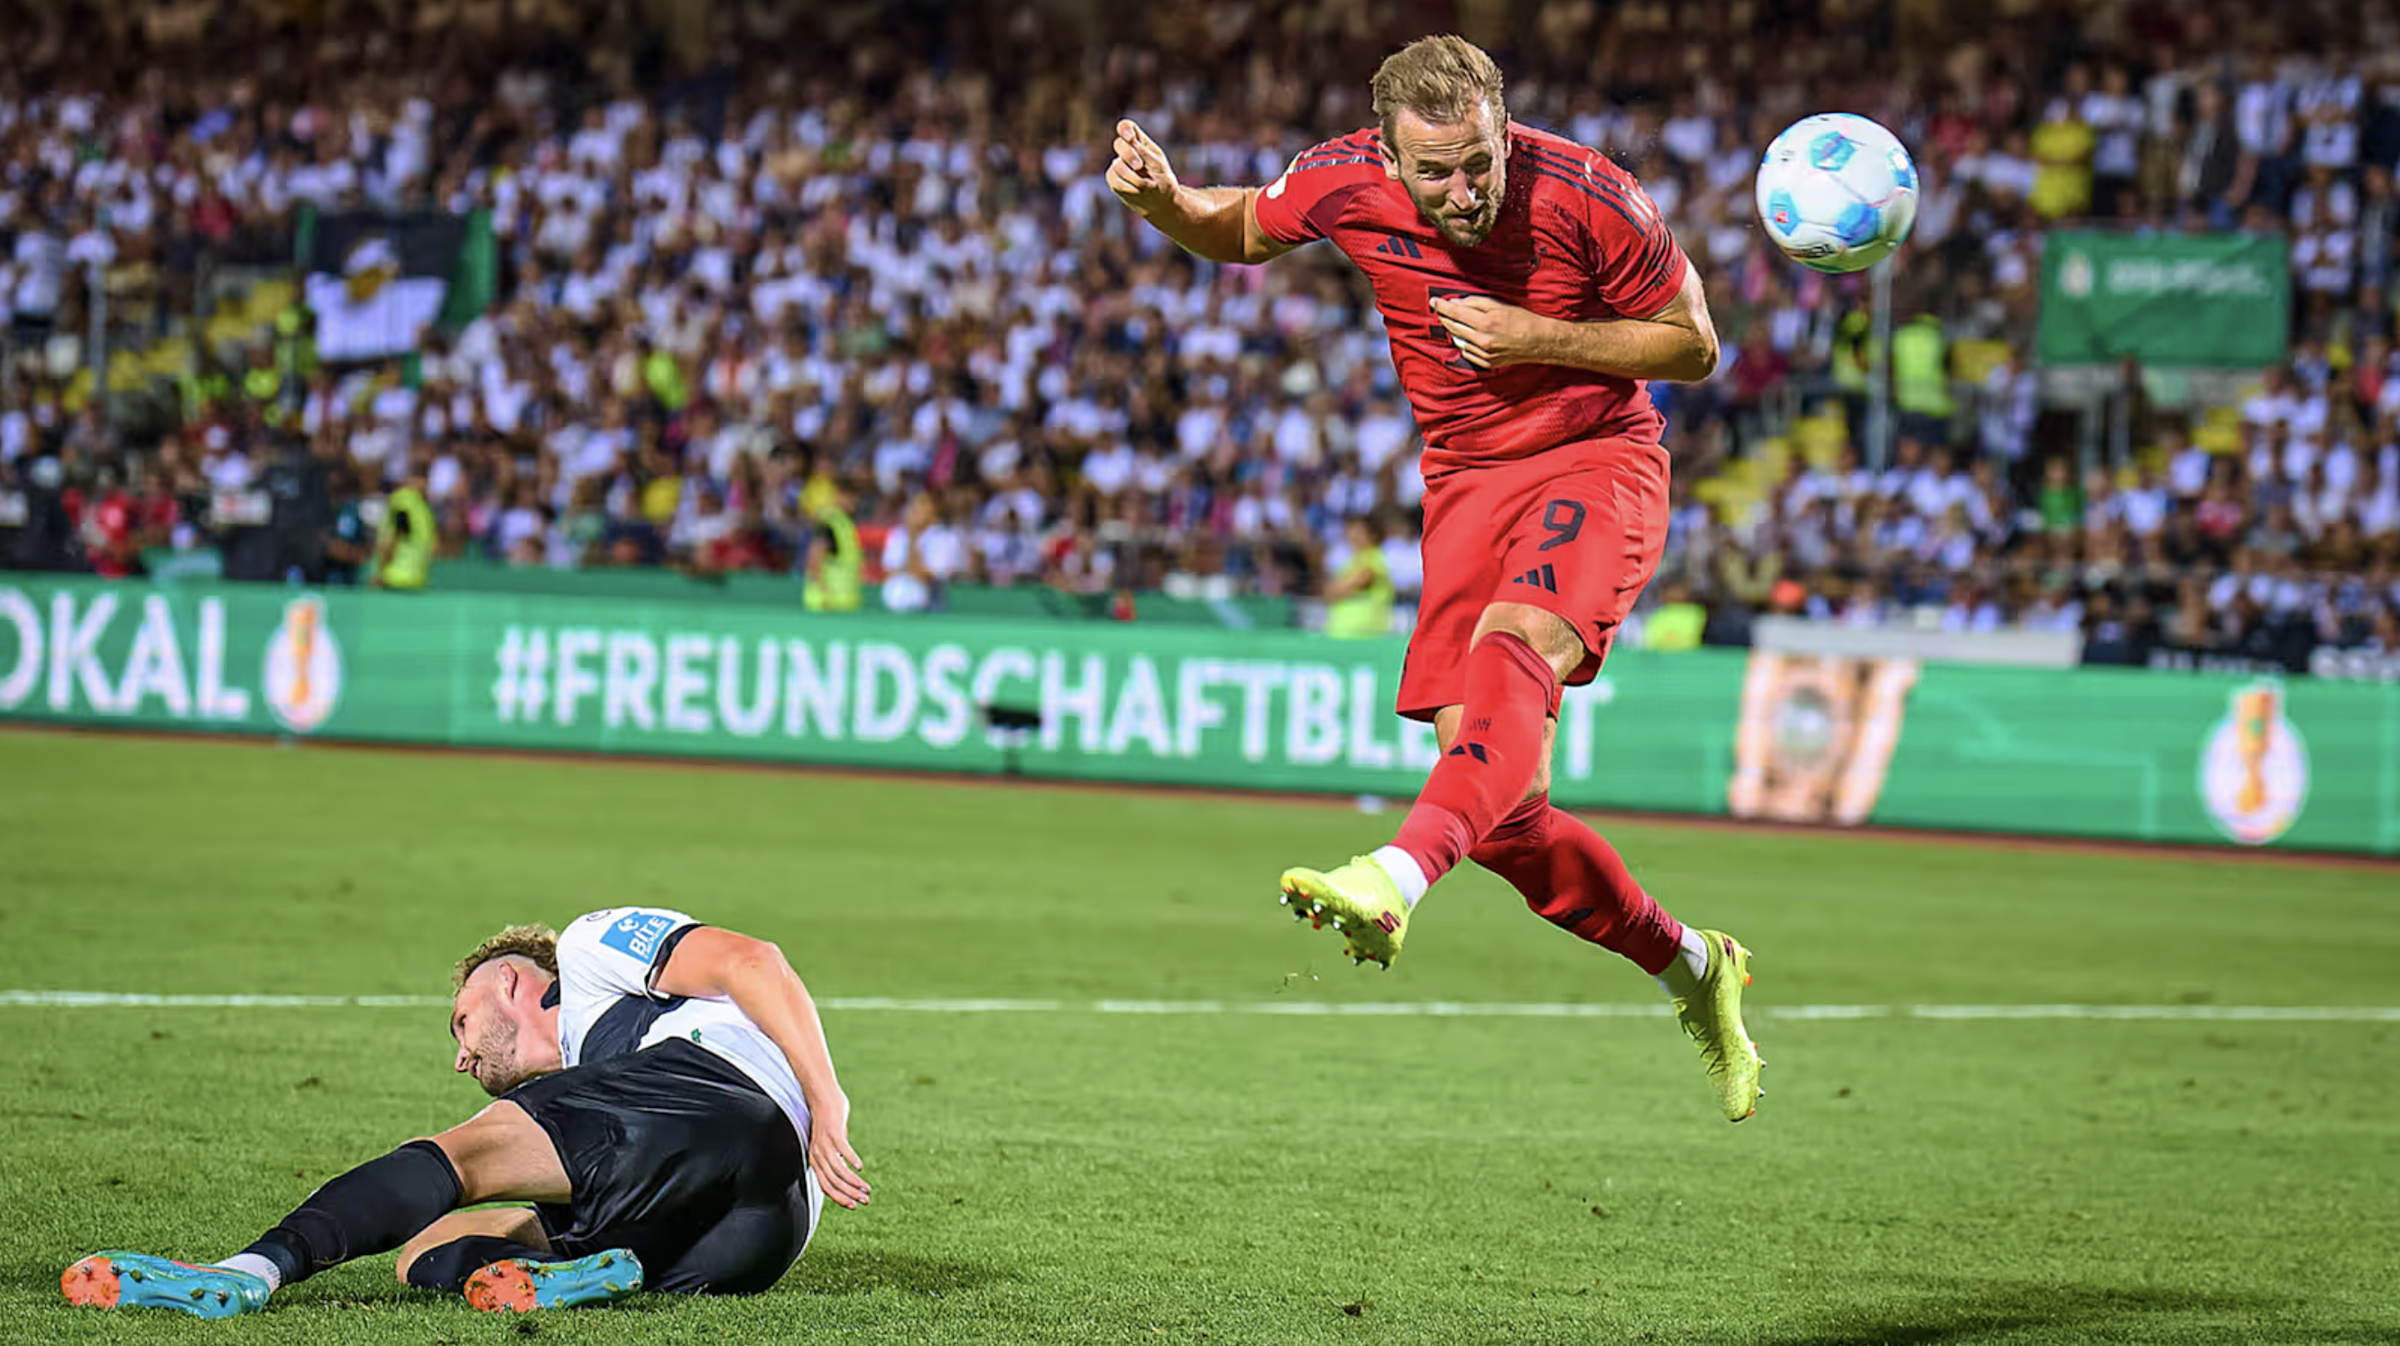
(117,999)
(1427,1009)
(2187,1013)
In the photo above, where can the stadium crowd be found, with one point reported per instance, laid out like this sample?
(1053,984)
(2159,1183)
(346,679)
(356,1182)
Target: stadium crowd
(742,294)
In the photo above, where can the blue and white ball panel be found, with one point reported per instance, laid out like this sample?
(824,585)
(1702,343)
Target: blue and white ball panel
(1859,224)
(1904,169)
(1781,213)
(1831,151)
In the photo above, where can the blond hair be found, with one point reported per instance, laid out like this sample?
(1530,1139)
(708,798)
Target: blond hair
(1441,79)
(537,942)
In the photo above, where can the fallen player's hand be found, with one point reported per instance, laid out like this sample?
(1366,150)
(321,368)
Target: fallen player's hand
(829,1153)
(1491,334)
(1139,172)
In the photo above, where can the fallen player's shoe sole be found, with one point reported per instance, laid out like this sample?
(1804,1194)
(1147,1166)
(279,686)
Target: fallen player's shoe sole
(124,1280)
(521,1285)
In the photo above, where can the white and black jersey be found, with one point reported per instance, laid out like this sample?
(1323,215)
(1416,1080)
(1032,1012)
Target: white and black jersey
(608,1002)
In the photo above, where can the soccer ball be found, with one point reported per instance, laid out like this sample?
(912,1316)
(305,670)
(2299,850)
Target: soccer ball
(1837,192)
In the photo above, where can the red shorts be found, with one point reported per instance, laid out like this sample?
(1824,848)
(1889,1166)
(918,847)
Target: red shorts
(1577,530)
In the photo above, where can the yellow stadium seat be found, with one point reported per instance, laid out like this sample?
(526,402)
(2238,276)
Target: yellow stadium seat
(1738,501)
(2219,431)
(1973,361)
(1821,437)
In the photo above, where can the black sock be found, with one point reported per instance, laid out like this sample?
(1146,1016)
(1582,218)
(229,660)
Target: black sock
(371,1209)
(448,1266)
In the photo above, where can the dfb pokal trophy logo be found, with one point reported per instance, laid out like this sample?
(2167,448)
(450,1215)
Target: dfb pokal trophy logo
(303,674)
(2254,768)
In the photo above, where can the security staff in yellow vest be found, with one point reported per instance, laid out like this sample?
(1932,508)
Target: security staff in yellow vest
(404,543)
(836,563)
(1921,368)
(1358,603)
(262,381)
(1853,351)
(1677,623)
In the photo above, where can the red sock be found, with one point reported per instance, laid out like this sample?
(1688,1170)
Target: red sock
(1575,880)
(1494,760)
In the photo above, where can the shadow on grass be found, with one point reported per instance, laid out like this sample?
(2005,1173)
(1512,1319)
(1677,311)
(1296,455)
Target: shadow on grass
(1972,1313)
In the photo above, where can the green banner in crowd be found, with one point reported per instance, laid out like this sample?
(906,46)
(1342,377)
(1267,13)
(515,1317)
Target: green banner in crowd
(2100,753)
(2199,300)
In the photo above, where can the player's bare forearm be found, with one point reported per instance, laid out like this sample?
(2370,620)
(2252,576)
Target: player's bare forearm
(1678,343)
(1213,223)
(754,975)
(763,986)
(1629,348)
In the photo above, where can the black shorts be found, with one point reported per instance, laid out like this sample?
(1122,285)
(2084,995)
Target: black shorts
(682,1158)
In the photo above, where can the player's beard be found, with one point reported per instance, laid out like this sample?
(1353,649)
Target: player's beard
(497,1066)
(1471,229)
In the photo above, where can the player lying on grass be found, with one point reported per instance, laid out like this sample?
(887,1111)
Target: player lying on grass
(666,1102)
(1530,290)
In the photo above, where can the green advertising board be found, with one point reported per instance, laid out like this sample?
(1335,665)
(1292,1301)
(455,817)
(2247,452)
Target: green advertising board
(2191,300)
(2091,753)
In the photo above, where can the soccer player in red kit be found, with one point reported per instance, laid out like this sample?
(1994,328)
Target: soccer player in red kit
(1530,289)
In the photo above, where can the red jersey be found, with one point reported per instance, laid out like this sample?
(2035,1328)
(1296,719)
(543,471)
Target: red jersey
(1577,239)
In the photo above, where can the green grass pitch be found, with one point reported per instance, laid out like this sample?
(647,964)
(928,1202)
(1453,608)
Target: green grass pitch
(1076,1176)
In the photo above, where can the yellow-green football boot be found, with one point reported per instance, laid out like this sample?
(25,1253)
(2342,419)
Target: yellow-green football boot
(1359,900)
(1712,1014)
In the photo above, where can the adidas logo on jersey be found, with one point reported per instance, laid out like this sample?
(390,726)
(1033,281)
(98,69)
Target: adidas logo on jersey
(1396,246)
(1540,577)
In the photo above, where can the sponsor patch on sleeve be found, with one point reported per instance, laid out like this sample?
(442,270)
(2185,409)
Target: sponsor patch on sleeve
(636,934)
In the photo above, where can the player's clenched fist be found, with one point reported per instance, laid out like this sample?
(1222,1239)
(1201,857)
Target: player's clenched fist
(1139,172)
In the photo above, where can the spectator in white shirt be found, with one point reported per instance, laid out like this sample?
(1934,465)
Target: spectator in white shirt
(2143,505)
(1109,471)
(2116,118)
(2327,110)
(2378,500)
(920,556)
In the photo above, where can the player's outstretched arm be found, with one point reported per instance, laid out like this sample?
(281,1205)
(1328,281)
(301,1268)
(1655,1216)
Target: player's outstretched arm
(1216,223)
(1678,343)
(754,975)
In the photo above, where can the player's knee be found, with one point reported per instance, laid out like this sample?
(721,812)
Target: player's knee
(469,1149)
(502,1154)
(1540,784)
(1549,635)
